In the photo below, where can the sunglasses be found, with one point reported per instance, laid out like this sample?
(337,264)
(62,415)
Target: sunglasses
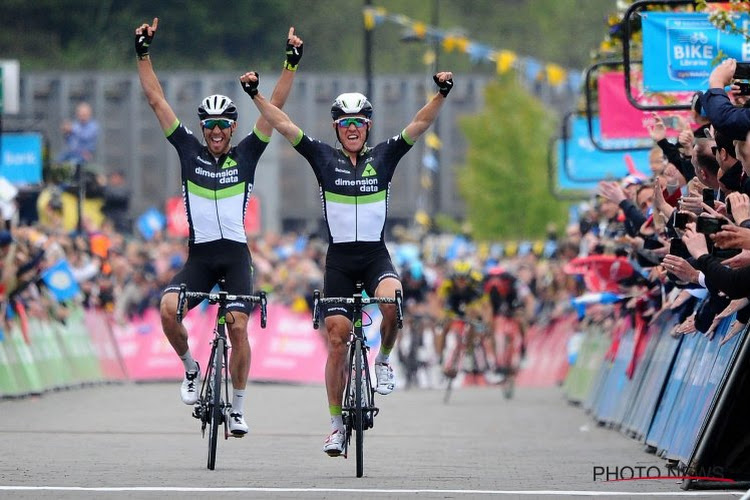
(356,121)
(223,123)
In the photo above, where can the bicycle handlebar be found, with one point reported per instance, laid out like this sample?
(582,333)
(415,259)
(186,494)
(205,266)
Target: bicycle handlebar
(222,298)
(357,298)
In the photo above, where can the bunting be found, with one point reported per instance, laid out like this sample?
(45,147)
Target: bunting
(504,60)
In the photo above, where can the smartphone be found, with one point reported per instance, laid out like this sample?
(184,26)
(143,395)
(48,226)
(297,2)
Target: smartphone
(744,88)
(742,71)
(681,219)
(709,225)
(678,248)
(708,197)
(729,208)
(672,122)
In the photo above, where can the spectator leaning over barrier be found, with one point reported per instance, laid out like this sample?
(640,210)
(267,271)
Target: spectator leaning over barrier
(215,210)
(354,183)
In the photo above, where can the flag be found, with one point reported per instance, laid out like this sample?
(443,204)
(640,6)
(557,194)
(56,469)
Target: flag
(60,281)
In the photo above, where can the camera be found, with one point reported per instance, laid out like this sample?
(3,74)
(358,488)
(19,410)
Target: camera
(742,72)
(709,225)
(708,197)
(678,248)
(672,122)
(681,219)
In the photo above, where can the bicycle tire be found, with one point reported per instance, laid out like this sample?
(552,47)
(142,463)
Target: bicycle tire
(359,427)
(214,405)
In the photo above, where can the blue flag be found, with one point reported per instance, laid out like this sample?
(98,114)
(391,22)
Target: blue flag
(60,281)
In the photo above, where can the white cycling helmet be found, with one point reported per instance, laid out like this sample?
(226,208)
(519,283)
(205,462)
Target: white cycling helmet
(217,105)
(351,103)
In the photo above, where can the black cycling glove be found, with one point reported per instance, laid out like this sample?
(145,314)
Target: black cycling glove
(142,43)
(443,87)
(293,56)
(251,88)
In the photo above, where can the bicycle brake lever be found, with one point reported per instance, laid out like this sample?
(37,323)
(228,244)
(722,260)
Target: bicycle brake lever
(263,309)
(180,302)
(316,309)
(399,310)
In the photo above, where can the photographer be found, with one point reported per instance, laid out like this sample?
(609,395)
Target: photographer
(723,114)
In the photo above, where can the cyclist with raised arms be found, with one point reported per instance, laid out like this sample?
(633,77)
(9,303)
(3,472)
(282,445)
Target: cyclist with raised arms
(354,182)
(217,179)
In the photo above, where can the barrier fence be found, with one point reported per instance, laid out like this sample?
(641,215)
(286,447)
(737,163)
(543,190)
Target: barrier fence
(88,347)
(671,395)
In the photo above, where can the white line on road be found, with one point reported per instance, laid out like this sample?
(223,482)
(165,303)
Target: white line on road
(366,490)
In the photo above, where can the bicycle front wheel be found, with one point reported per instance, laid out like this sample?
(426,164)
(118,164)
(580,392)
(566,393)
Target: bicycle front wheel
(214,404)
(359,427)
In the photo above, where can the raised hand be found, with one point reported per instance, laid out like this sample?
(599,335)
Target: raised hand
(293,50)
(249,82)
(444,81)
(144,34)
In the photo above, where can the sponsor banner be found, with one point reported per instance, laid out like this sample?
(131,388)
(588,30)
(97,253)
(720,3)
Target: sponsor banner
(104,346)
(683,47)
(177,223)
(586,165)
(21,161)
(621,120)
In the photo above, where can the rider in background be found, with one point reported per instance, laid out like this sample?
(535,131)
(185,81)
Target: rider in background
(510,299)
(462,298)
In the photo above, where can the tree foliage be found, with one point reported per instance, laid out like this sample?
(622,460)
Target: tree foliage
(505,180)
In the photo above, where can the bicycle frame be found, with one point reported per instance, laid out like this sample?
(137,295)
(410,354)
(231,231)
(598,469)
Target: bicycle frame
(212,405)
(358,405)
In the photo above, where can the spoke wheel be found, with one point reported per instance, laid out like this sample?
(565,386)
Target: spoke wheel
(358,408)
(214,404)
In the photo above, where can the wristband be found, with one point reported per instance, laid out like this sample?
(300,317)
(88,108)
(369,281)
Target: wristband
(290,67)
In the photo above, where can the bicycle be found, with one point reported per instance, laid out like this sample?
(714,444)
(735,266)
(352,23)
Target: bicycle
(507,331)
(358,408)
(468,339)
(213,406)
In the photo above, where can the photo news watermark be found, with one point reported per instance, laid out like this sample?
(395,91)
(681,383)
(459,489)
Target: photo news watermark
(612,473)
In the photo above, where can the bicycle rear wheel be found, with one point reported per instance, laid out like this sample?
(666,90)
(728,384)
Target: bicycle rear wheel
(214,403)
(359,428)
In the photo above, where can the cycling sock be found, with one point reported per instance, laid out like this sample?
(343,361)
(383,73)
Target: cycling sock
(188,362)
(383,355)
(238,401)
(337,422)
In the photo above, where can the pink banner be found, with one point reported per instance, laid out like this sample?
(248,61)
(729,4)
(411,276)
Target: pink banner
(547,354)
(288,350)
(97,325)
(619,119)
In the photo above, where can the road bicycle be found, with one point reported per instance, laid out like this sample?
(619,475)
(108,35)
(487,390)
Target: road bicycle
(358,408)
(509,345)
(213,404)
(465,342)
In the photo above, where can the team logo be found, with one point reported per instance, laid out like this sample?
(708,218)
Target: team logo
(369,171)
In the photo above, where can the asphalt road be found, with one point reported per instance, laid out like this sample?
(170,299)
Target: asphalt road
(139,441)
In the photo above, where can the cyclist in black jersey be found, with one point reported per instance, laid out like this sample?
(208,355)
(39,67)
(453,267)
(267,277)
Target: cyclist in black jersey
(217,179)
(354,185)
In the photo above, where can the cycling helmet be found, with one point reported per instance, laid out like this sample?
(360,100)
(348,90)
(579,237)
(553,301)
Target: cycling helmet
(496,271)
(461,269)
(217,105)
(351,103)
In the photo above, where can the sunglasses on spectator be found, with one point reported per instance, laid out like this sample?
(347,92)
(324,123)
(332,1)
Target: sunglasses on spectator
(223,123)
(356,121)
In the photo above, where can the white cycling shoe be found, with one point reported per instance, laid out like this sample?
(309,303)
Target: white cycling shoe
(334,445)
(385,377)
(190,386)
(237,425)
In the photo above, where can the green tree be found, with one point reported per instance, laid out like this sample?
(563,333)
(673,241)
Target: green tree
(504,181)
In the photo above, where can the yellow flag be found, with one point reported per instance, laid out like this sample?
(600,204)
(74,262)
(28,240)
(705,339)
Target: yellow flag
(505,60)
(556,75)
(449,43)
(419,29)
(369,16)
(422,218)
(462,43)
(429,58)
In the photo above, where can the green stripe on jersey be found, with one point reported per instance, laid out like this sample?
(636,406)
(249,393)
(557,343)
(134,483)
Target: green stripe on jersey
(351,200)
(172,128)
(219,194)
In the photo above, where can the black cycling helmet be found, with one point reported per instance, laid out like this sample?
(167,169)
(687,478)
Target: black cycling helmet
(217,105)
(351,103)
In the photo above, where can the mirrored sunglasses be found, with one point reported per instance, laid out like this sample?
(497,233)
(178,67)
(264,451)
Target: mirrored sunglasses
(223,123)
(356,121)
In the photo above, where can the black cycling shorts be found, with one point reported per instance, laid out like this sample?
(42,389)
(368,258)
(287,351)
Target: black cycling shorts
(209,262)
(347,263)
